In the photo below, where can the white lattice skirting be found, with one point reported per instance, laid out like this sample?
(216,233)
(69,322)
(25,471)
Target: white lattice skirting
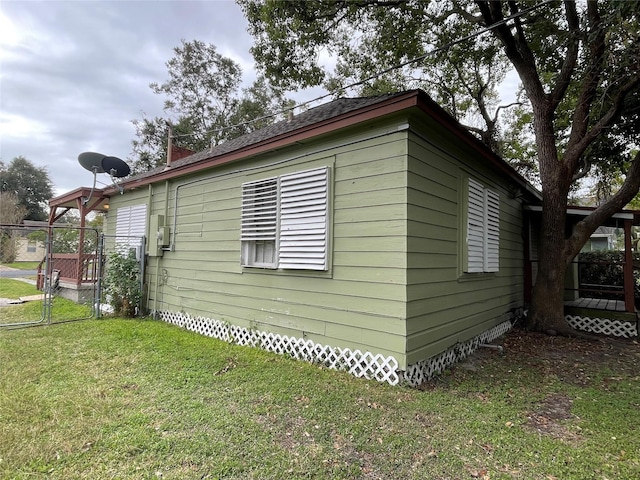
(605,326)
(422,371)
(357,363)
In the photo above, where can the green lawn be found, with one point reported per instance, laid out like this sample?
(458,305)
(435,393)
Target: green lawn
(22,265)
(10,288)
(141,399)
(62,310)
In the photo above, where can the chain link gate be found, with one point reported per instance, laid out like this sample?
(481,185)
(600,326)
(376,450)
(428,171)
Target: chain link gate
(59,262)
(65,266)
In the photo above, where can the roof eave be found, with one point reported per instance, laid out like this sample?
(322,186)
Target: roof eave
(412,98)
(348,119)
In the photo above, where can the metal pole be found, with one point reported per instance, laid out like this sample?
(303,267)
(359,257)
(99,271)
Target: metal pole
(98,293)
(143,248)
(629,291)
(48,277)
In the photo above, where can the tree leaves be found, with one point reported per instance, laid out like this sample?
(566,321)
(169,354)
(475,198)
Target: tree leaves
(205,104)
(30,184)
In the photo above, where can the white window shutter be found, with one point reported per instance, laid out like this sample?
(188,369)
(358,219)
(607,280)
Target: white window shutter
(138,224)
(131,226)
(123,220)
(259,210)
(483,229)
(475,227)
(303,220)
(492,232)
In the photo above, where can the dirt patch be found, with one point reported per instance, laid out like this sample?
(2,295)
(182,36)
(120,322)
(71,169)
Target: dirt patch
(601,363)
(573,360)
(552,416)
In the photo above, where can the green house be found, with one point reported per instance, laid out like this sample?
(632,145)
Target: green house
(371,234)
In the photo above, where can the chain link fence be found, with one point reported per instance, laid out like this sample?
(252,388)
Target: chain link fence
(60,273)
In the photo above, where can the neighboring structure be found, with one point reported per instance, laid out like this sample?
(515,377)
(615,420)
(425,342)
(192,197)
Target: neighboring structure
(20,246)
(604,238)
(29,250)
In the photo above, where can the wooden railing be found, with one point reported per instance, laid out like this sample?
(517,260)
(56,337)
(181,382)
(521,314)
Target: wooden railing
(73,268)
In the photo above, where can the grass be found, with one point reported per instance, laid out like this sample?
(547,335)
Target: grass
(62,309)
(10,288)
(134,399)
(22,265)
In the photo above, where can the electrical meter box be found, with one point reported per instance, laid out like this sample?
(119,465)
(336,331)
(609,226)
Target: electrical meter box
(159,235)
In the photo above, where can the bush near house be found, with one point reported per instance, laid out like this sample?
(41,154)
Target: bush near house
(604,268)
(122,283)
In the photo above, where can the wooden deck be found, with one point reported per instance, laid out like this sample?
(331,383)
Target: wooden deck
(597,304)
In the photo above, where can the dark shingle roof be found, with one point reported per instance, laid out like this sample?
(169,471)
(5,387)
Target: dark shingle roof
(310,117)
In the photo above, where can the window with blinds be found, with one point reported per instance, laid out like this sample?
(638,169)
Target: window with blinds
(259,223)
(131,228)
(285,221)
(483,229)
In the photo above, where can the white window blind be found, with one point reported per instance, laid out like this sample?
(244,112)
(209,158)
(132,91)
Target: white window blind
(492,229)
(475,228)
(259,222)
(284,221)
(483,229)
(303,220)
(259,210)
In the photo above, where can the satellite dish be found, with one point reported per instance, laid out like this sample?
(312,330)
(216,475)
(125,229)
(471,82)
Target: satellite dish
(115,167)
(99,163)
(91,161)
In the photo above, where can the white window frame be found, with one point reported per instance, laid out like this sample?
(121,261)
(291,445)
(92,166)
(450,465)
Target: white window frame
(483,229)
(293,220)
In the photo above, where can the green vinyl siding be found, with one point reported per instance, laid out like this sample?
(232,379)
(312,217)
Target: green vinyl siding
(395,283)
(358,303)
(445,305)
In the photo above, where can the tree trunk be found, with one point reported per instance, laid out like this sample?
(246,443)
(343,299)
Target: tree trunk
(547,303)
(546,312)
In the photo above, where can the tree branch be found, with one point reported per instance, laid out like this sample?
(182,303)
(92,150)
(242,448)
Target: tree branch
(564,78)
(515,47)
(590,82)
(582,143)
(476,130)
(469,17)
(501,107)
(586,227)
(339,5)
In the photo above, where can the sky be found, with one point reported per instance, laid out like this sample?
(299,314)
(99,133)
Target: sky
(74,74)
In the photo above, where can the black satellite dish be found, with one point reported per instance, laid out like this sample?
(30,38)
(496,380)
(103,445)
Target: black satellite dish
(91,161)
(115,167)
(99,163)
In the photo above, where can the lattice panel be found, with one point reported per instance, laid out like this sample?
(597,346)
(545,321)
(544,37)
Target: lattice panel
(357,363)
(605,326)
(422,371)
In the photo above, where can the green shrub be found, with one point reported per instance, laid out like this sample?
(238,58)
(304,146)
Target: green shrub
(122,283)
(605,268)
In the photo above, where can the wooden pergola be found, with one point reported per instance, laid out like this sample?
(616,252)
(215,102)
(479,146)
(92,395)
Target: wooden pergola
(75,268)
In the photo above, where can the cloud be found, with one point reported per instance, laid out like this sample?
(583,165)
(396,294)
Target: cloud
(74,74)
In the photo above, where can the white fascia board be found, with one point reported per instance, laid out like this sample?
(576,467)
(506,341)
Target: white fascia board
(581,212)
